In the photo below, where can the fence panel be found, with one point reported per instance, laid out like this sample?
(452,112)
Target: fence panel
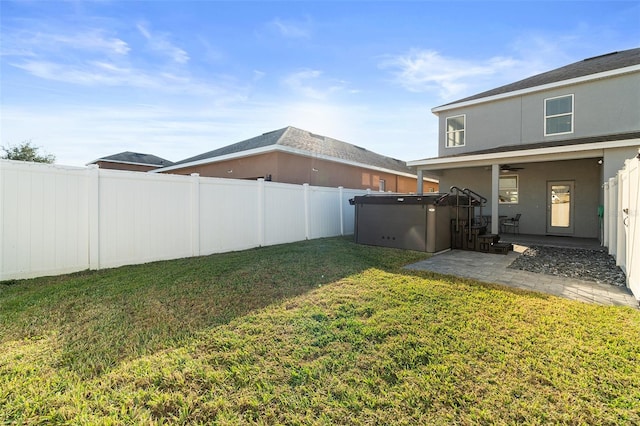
(324,208)
(284,213)
(56,219)
(349,211)
(43,220)
(143,217)
(228,215)
(632,227)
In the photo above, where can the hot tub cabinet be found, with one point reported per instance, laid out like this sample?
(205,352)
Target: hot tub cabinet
(412,222)
(429,223)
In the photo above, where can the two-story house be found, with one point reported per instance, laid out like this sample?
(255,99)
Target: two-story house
(544,146)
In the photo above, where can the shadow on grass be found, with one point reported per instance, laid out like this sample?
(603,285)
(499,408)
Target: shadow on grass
(101,318)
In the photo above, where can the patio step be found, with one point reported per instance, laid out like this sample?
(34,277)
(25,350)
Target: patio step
(485,241)
(501,248)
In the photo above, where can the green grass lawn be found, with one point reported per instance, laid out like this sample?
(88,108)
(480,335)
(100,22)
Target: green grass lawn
(317,332)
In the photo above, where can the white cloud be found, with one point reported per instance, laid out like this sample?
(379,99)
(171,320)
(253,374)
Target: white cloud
(291,29)
(160,43)
(429,71)
(309,83)
(35,43)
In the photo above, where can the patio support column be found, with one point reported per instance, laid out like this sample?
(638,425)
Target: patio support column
(495,197)
(420,188)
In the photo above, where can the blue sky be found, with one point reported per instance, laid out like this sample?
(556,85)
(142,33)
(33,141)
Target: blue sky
(86,79)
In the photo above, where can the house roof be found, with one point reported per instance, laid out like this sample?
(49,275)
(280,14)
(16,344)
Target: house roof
(129,157)
(587,67)
(300,141)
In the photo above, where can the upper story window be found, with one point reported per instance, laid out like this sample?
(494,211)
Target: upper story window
(455,131)
(558,115)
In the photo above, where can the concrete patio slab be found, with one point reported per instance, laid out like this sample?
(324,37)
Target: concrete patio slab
(493,268)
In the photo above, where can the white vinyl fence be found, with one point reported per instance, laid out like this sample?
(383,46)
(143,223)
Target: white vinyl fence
(57,219)
(621,225)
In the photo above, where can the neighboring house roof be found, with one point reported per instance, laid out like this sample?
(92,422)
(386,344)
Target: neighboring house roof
(129,157)
(586,68)
(301,142)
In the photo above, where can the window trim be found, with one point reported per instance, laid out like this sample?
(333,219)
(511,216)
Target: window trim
(572,114)
(464,130)
(517,189)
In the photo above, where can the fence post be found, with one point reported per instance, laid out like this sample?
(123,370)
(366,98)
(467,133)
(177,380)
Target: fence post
(195,214)
(1,219)
(605,218)
(93,211)
(620,238)
(612,215)
(305,188)
(341,205)
(260,212)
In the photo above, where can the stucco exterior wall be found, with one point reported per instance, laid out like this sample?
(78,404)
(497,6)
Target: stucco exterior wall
(532,188)
(601,107)
(289,168)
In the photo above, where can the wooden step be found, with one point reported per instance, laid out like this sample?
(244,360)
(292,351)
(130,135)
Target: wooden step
(501,248)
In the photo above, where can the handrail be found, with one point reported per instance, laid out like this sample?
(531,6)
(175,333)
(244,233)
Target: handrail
(458,190)
(480,197)
(442,198)
(472,197)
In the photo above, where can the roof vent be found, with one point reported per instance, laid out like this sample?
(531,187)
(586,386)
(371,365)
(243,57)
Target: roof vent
(313,135)
(600,56)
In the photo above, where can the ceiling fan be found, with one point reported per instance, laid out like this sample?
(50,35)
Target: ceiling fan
(505,168)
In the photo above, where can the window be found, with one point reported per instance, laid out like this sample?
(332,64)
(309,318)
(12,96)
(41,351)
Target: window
(508,189)
(381,185)
(455,131)
(558,115)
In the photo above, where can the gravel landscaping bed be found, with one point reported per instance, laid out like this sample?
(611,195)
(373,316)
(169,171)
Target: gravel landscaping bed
(588,265)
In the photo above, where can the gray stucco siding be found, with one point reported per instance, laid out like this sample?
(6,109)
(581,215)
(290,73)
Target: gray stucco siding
(601,107)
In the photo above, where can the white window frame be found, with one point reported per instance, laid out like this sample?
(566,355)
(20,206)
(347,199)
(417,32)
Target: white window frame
(517,189)
(571,114)
(464,131)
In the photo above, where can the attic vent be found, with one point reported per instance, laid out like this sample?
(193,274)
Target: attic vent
(600,56)
(359,147)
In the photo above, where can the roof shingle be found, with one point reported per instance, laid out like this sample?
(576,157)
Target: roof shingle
(589,66)
(136,157)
